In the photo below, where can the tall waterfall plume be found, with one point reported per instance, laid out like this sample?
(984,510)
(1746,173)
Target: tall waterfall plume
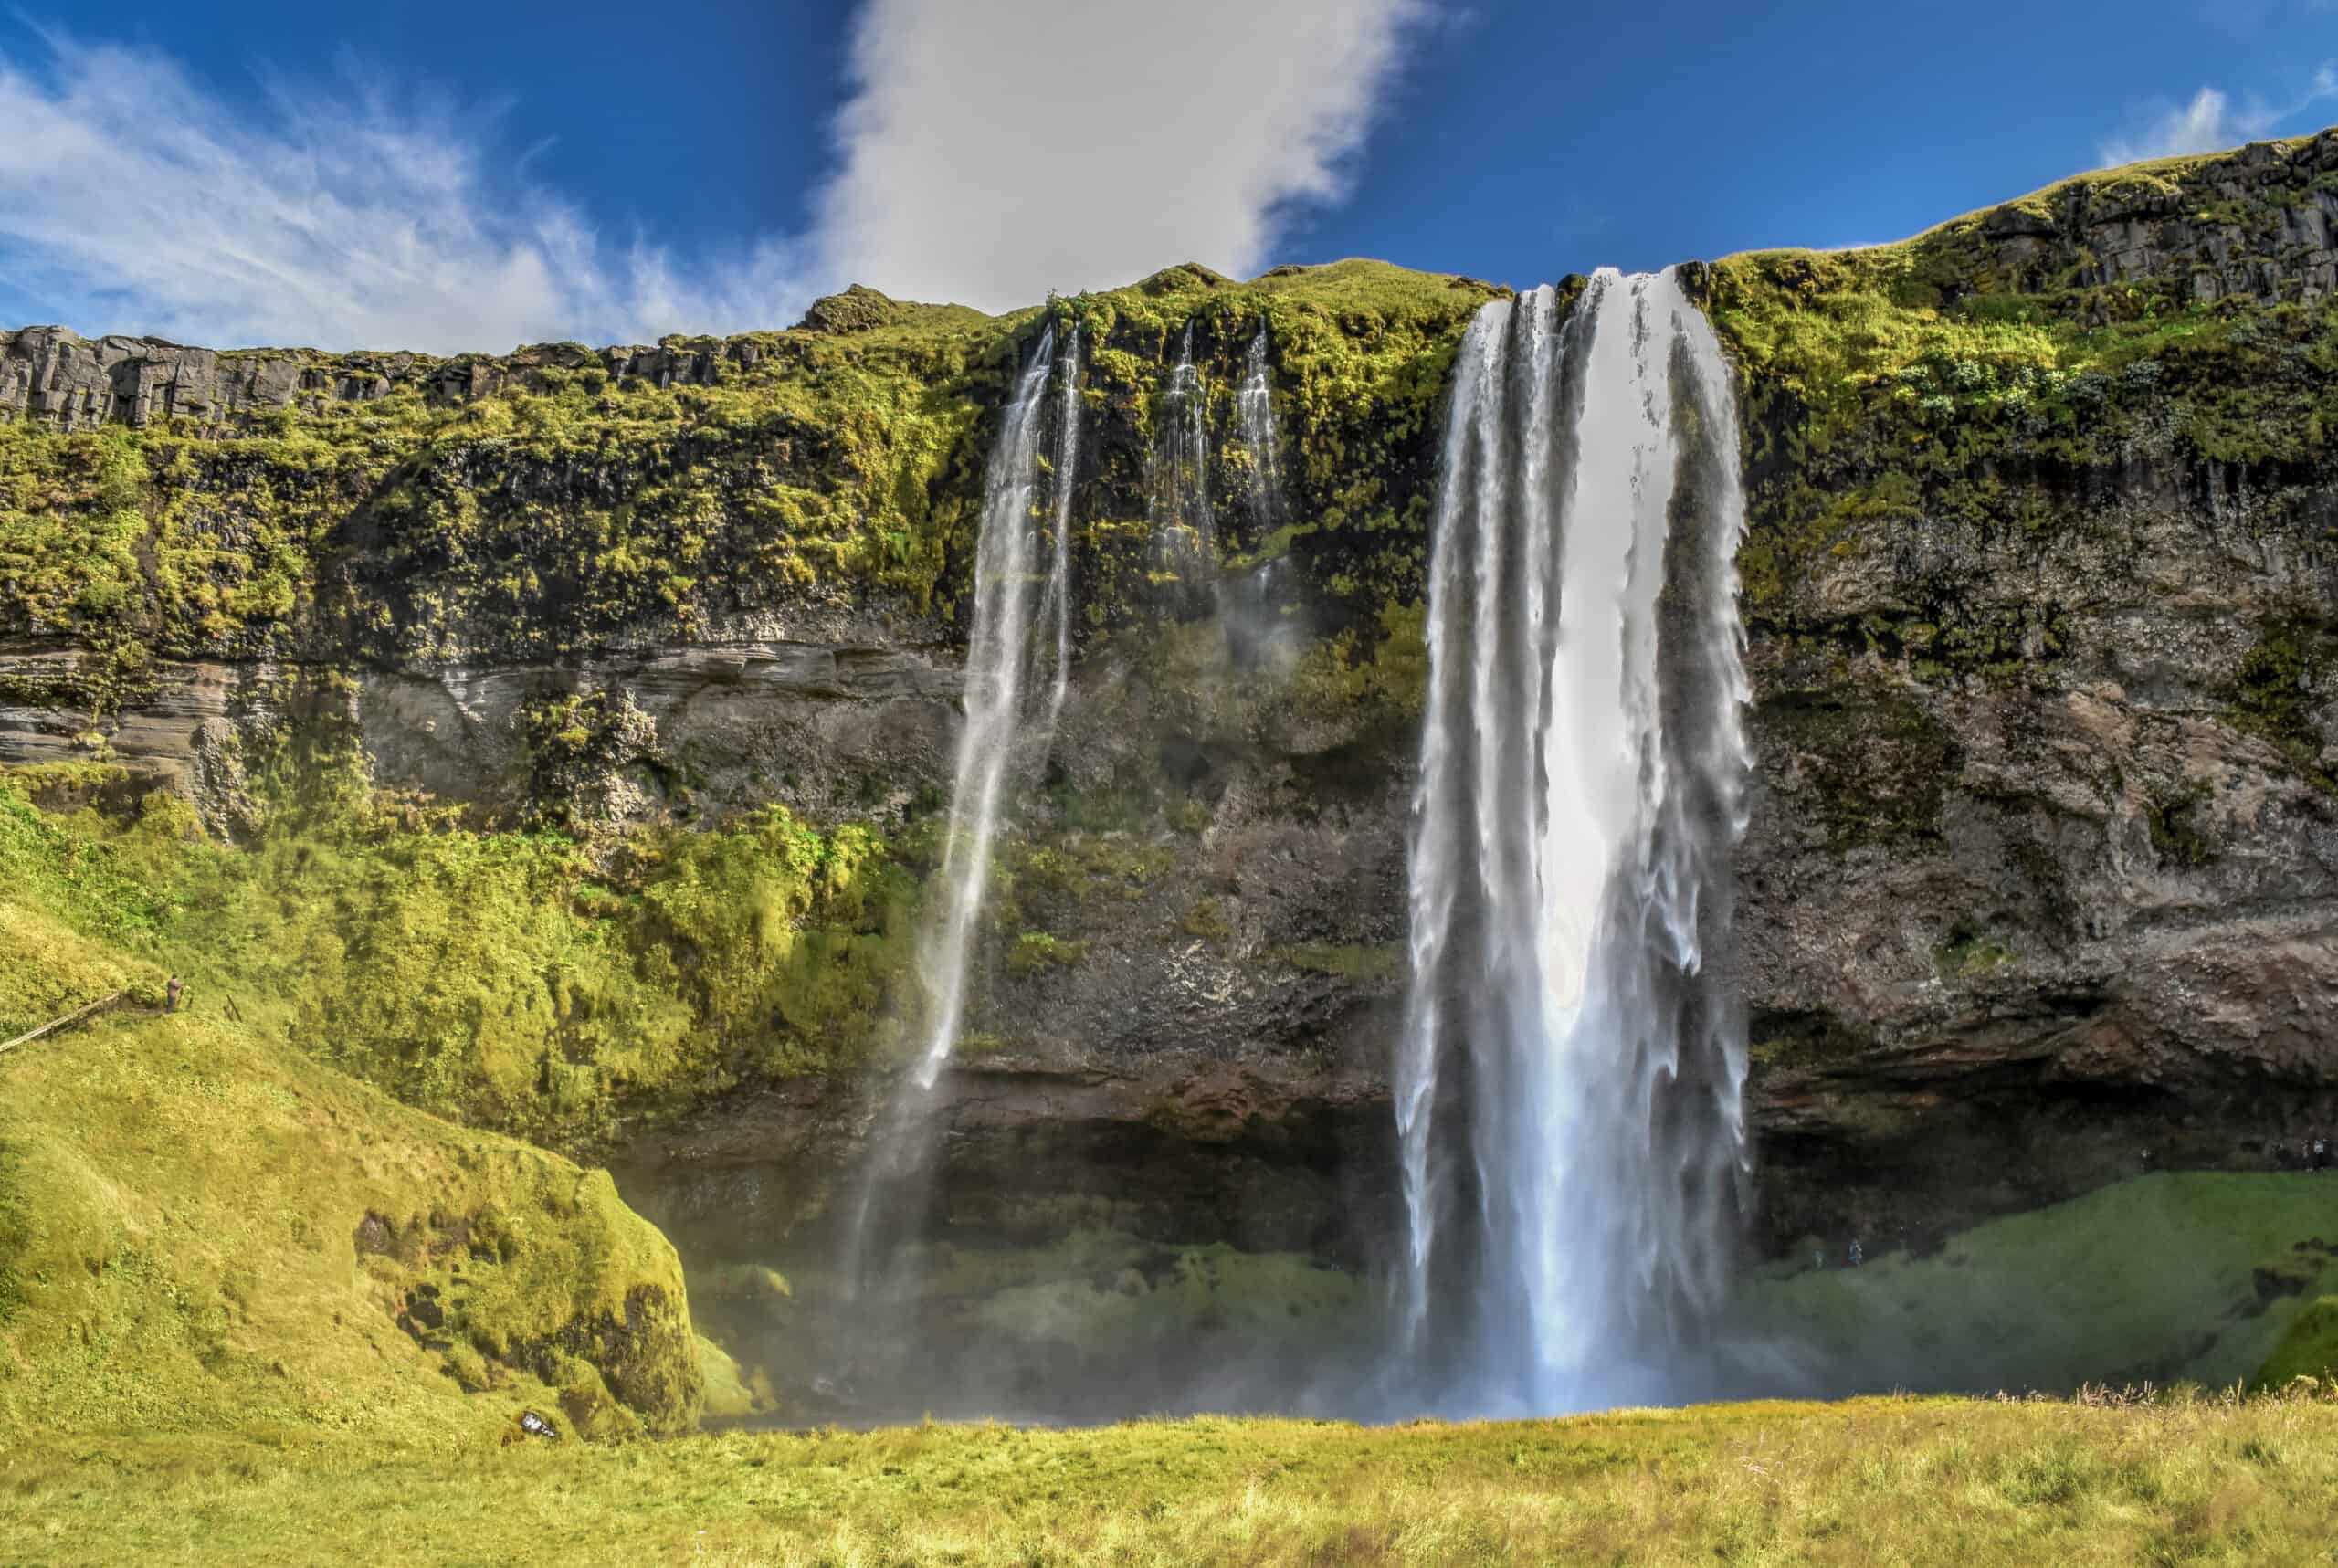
(1001,651)
(1569,1078)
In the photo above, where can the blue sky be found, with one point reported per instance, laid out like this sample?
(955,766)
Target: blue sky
(443,175)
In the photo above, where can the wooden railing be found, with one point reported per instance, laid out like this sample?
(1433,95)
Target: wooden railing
(81,1015)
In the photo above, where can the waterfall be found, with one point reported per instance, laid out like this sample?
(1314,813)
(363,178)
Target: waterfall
(1256,406)
(1568,1079)
(998,653)
(1063,471)
(1184,528)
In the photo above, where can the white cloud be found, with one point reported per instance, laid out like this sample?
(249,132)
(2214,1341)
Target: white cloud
(130,200)
(996,149)
(991,150)
(2213,121)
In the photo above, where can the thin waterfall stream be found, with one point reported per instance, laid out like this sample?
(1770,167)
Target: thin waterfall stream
(1254,402)
(999,653)
(1184,522)
(1005,648)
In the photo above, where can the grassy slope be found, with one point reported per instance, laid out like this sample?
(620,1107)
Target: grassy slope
(1875,1481)
(184,1236)
(2150,1279)
(2309,1347)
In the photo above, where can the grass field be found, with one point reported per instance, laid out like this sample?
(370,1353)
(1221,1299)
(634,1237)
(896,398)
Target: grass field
(1877,1481)
(2189,1276)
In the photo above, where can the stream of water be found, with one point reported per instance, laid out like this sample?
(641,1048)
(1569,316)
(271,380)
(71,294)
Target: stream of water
(1569,1073)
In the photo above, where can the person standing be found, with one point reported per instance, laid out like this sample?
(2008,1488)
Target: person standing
(171,994)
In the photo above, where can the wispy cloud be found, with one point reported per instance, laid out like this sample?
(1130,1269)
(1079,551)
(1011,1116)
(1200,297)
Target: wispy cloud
(2213,120)
(135,200)
(993,151)
(987,154)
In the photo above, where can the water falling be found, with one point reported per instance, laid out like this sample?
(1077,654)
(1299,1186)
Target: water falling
(1185,526)
(1568,1082)
(1256,406)
(999,651)
(1063,469)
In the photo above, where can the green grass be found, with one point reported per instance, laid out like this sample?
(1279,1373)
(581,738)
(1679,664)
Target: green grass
(2153,1279)
(1907,1482)
(201,1231)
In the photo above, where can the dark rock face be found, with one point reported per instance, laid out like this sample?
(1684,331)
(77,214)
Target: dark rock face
(2139,229)
(49,372)
(2062,921)
(57,375)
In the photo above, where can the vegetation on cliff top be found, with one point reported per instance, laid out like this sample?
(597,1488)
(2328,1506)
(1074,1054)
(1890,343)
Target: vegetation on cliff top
(1969,383)
(1910,1481)
(805,473)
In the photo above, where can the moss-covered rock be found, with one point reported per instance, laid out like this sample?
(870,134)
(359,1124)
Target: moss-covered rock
(2309,1349)
(557,501)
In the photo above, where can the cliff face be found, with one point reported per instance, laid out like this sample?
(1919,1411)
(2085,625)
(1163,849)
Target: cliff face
(2040,884)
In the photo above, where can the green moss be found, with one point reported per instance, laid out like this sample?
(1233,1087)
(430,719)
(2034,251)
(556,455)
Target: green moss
(1080,867)
(1207,920)
(2309,1348)
(1970,951)
(1383,674)
(1036,951)
(750,1283)
(731,1393)
(2174,831)
(2277,690)
(1368,965)
(204,1231)
(505,980)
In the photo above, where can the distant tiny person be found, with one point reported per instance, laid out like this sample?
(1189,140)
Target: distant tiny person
(1859,1253)
(171,994)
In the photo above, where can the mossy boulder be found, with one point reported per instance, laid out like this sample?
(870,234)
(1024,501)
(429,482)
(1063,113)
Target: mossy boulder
(860,309)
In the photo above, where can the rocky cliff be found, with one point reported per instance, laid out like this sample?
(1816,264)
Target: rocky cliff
(2040,605)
